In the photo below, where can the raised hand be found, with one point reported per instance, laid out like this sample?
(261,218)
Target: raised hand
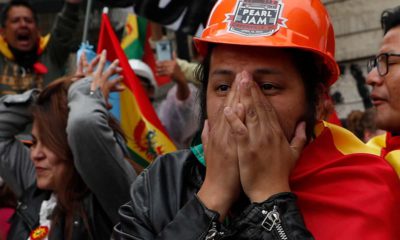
(221,186)
(171,68)
(265,156)
(101,77)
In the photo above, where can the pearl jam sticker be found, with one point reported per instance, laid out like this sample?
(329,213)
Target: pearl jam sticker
(256,17)
(39,233)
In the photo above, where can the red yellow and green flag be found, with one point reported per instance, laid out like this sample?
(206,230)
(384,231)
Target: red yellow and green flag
(136,44)
(146,137)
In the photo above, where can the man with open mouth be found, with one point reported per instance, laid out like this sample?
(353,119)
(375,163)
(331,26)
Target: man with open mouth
(27,59)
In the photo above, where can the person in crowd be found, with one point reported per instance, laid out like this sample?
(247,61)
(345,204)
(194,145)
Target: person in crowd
(262,80)
(27,59)
(76,174)
(353,123)
(383,77)
(180,67)
(179,111)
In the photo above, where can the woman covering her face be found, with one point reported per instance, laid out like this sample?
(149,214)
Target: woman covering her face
(74,177)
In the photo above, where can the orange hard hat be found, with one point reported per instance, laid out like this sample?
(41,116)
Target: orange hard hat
(297,24)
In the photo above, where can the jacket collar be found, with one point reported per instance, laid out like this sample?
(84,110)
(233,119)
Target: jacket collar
(30,204)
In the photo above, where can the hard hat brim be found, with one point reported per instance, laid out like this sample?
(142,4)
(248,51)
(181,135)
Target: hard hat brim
(202,46)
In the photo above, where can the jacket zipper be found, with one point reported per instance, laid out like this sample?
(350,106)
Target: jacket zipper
(273,221)
(213,233)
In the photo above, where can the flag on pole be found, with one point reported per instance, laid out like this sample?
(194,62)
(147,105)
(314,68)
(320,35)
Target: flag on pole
(146,136)
(134,38)
(136,44)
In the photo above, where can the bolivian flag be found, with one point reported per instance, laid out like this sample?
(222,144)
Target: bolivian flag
(389,147)
(134,40)
(146,136)
(136,44)
(345,189)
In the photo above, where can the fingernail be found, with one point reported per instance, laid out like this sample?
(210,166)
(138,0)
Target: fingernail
(104,52)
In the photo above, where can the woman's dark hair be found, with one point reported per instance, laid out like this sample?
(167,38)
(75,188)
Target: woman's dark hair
(50,113)
(313,73)
(16,3)
(390,18)
(7,197)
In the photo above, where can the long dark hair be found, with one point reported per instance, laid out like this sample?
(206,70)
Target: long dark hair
(313,73)
(50,113)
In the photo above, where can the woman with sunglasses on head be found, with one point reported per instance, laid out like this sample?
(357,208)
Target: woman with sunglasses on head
(75,175)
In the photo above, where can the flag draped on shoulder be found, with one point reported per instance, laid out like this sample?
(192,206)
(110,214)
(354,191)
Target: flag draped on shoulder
(145,134)
(389,147)
(342,184)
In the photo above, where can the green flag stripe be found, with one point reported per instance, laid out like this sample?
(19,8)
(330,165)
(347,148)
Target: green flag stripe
(138,159)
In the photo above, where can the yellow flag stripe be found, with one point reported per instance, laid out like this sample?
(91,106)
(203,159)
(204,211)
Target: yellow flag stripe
(393,158)
(130,118)
(345,141)
(131,30)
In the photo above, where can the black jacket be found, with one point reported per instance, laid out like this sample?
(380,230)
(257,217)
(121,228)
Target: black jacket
(26,218)
(164,205)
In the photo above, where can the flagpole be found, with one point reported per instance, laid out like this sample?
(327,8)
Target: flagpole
(86,25)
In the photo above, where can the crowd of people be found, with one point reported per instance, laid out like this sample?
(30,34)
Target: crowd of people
(267,165)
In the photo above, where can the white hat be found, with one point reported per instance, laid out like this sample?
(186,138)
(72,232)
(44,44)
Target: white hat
(141,69)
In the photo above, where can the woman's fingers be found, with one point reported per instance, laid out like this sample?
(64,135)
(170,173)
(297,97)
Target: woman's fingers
(112,69)
(84,62)
(92,65)
(102,62)
(81,67)
(115,84)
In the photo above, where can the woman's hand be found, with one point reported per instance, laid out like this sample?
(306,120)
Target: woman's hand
(100,77)
(266,158)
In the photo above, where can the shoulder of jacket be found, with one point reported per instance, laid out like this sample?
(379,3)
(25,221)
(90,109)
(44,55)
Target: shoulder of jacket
(164,173)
